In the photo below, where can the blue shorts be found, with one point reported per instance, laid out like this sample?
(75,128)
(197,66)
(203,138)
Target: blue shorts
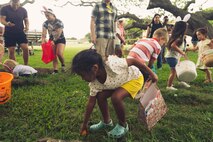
(172,62)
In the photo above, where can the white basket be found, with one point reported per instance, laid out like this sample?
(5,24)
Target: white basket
(186,71)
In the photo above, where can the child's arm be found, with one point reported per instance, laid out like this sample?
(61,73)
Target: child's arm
(90,105)
(211,44)
(195,48)
(177,49)
(120,38)
(144,67)
(151,62)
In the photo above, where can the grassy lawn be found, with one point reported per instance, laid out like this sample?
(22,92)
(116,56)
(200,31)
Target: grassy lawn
(53,106)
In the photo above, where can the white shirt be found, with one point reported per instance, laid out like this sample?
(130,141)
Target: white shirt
(118,73)
(23,70)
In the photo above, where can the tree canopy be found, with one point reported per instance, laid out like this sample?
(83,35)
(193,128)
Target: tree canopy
(199,18)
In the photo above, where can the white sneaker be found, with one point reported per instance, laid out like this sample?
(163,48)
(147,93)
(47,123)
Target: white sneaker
(171,88)
(184,84)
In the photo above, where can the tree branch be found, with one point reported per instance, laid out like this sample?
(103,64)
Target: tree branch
(81,3)
(188,4)
(27,1)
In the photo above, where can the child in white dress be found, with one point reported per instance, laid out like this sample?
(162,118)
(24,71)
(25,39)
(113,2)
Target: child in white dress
(18,70)
(202,46)
(117,78)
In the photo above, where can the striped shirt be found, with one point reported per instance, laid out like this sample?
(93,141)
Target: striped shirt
(52,26)
(104,20)
(145,49)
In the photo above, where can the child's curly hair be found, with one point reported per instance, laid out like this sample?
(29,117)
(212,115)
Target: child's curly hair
(9,64)
(84,60)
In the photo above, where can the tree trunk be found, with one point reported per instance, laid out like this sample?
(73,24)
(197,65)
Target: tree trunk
(197,20)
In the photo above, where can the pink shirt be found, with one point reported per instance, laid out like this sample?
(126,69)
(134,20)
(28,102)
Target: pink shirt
(145,49)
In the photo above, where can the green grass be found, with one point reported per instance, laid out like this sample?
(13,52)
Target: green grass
(53,106)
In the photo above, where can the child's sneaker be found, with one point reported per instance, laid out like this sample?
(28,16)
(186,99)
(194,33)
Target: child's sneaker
(119,131)
(184,84)
(99,126)
(171,88)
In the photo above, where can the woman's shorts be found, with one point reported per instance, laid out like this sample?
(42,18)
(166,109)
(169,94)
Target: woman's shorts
(133,86)
(172,62)
(62,40)
(12,40)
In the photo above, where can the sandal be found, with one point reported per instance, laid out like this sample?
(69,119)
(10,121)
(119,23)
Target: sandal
(119,131)
(99,126)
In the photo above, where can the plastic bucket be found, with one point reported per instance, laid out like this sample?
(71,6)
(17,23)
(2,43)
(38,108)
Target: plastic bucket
(208,58)
(186,71)
(5,87)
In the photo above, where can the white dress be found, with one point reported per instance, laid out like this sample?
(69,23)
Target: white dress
(203,46)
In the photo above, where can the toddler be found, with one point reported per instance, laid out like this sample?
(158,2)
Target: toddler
(203,45)
(18,70)
(117,78)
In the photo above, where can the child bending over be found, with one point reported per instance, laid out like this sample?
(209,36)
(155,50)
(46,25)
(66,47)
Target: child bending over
(203,45)
(18,70)
(147,50)
(117,78)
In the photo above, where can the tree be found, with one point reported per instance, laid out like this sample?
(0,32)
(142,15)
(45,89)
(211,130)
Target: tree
(176,7)
(23,3)
(198,19)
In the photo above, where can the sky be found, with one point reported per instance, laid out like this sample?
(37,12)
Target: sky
(76,19)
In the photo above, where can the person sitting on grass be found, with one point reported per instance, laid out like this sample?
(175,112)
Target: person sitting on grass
(18,70)
(117,78)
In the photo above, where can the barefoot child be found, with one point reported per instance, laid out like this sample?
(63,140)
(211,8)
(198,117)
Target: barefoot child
(18,70)
(117,78)
(203,45)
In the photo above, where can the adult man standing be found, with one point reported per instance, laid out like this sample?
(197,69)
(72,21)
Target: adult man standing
(12,16)
(102,26)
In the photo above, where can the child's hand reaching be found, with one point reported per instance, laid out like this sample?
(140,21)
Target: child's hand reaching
(154,78)
(84,130)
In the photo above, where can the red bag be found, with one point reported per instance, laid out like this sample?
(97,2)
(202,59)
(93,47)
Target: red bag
(47,52)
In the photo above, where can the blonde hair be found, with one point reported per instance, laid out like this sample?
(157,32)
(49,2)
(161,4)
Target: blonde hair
(161,33)
(9,64)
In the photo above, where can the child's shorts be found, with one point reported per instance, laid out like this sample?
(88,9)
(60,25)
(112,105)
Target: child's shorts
(172,62)
(133,86)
